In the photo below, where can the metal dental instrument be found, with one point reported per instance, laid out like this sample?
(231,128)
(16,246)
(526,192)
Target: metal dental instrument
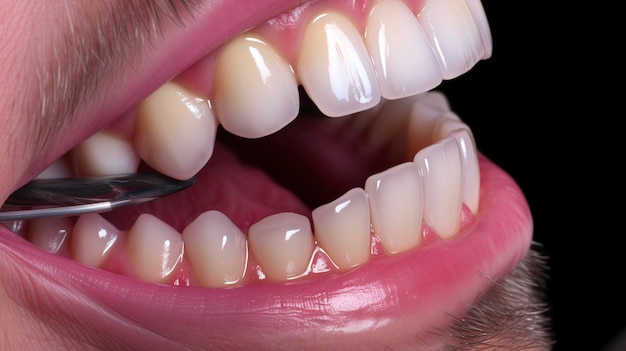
(64,197)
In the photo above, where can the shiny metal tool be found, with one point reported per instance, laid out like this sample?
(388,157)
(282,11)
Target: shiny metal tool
(62,197)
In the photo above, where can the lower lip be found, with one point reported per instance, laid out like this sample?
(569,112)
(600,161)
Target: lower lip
(377,300)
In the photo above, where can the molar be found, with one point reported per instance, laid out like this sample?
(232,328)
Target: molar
(104,153)
(58,169)
(51,234)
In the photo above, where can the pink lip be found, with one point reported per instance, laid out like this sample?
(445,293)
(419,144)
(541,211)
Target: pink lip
(383,303)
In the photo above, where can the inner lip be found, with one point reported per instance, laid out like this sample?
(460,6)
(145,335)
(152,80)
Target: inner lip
(321,305)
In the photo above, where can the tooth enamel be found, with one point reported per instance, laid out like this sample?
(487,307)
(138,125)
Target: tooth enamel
(453,35)
(403,58)
(104,153)
(256,93)
(59,169)
(282,244)
(480,19)
(471,170)
(396,200)
(92,239)
(217,250)
(19,227)
(51,234)
(446,124)
(342,229)
(450,125)
(334,67)
(440,166)
(175,131)
(154,247)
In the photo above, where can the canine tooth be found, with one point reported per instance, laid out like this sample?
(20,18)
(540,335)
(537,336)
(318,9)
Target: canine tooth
(480,19)
(453,35)
(154,247)
(283,245)
(92,239)
(440,166)
(396,200)
(59,169)
(256,93)
(175,131)
(403,58)
(335,68)
(51,234)
(342,229)
(217,249)
(104,153)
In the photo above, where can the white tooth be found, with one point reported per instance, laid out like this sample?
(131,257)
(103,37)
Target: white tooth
(425,113)
(59,169)
(155,248)
(335,68)
(51,234)
(104,153)
(175,131)
(480,19)
(446,123)
(283,245)
(440,165)
(217,250)
(451,126)
(342,229)
(471,170)
(93,239)
(18,227)
(256,93)
(396,200)
(403,58)
(453,35)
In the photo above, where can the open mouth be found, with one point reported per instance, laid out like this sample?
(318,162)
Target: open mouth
(339,204)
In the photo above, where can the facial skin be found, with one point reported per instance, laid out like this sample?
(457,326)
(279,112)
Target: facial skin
(71,68)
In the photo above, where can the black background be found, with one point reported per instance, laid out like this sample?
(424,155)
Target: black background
(541,109)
